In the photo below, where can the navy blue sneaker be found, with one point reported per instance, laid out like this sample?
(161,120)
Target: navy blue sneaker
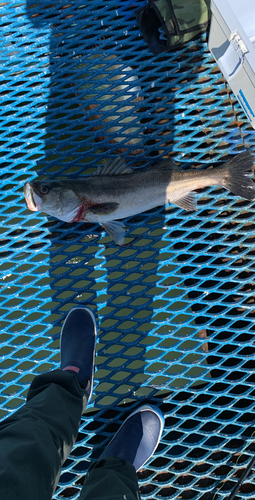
(138,437)
(77,346)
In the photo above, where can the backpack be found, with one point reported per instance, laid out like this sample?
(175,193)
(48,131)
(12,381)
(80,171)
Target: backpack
(180,20)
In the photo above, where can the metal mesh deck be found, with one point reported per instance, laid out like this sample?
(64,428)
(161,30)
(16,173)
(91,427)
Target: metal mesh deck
(175,306)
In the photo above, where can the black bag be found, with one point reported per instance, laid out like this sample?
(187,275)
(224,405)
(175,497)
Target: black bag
(181,21)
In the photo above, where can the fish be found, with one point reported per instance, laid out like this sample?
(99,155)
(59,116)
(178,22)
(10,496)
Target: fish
(116,191)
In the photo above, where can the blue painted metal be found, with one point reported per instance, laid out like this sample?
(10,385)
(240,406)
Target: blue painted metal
(176,305)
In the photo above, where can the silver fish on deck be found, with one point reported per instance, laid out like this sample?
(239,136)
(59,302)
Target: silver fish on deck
(116,192)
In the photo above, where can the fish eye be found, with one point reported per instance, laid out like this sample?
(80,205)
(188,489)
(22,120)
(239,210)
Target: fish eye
(44,189)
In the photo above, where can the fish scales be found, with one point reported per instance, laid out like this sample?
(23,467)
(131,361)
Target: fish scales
(138,191)
(117,192)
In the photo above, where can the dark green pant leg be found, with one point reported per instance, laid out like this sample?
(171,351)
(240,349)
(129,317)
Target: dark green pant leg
(110,479)
(36,440)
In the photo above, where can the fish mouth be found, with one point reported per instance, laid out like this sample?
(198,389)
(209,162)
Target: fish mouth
(29,197)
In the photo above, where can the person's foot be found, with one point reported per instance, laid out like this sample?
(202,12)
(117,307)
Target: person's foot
(138,437)
(77,346)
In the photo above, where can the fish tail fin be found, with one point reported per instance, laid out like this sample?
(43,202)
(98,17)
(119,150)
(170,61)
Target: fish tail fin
(237,175)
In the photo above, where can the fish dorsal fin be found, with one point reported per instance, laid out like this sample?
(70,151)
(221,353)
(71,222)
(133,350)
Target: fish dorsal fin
(116,230)
(188,202)
(116,166)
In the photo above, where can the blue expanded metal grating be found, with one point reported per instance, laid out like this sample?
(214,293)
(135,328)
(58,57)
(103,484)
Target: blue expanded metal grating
(176,304)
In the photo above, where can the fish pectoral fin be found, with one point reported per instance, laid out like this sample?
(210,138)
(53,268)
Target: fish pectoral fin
(188,202)
(104,208)
(116,166)
(116,230)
